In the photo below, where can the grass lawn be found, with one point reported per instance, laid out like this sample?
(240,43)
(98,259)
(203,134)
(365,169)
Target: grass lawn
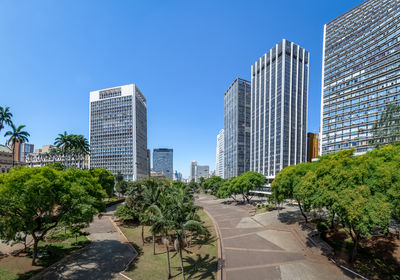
(200,259)
(19,267)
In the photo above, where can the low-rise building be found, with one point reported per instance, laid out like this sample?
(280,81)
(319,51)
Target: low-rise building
(42,157)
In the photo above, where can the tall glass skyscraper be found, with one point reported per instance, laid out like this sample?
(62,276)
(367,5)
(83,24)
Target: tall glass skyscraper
(279,96)
(118,131)
(360,73)
(219,160)
(237,128)
(163,162)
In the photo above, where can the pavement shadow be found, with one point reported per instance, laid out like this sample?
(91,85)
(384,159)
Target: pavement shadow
(290,217)
(100,260)
(201,267)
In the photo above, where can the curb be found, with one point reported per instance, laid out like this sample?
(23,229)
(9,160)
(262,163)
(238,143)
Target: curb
(220,272)
(130,246)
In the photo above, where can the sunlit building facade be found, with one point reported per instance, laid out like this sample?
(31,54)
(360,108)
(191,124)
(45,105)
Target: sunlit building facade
(237,128)
(279,96)
(118,131)
(360,74)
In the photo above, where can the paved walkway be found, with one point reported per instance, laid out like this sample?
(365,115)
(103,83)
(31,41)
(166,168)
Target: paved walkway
(266,246)
(104,258)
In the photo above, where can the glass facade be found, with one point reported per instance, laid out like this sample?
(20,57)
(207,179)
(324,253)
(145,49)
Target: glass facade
(361,74)
(279,96)
(163,162)
(118,131)
(237,129)
(220,157)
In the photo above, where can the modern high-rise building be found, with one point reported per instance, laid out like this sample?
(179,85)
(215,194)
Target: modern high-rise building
(202,171)
(312,146)
(118,131)
(193,166)
(279,96)
(163,162)
(198,171)
(219,161)
(237,128)
(360,74)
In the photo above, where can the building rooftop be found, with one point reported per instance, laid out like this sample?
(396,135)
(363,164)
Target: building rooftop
(5,149)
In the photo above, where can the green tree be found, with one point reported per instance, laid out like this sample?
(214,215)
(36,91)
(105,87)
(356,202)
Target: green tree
(5,117)
(213,184)
(361,213)
(72,145)
(290,184)
(36,200)
(119,177)
(17,135)
(105,179)
(243,184)
(122,187)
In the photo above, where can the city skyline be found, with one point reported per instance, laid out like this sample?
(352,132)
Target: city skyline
(67,72)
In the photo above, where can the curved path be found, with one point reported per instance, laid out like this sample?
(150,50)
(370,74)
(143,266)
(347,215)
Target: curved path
(266,246)
(107,255)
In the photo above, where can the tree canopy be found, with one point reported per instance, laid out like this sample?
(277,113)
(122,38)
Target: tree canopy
(36,200)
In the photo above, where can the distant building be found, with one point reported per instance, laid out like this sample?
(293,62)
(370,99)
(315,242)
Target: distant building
(45,149)
(279,98)
(44,156)
(163,161)
(21,150)
(198,171)
(193,166)
(312,146)
(178,176)
(156,175)
(118,131)
(360,74)
(237,128)
(202,171)
(219,166)
(5,159)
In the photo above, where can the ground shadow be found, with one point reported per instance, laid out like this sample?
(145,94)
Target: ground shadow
(100,260)
(201,267)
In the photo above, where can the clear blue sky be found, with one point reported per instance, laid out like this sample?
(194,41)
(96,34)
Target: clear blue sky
(183,55)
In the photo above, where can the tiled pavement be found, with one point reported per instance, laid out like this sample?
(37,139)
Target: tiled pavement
(104,258)
(264,247)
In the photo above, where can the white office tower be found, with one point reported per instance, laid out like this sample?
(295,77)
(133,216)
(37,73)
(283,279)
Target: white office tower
(279,96)
(219,165)
(360,74)
(118,131)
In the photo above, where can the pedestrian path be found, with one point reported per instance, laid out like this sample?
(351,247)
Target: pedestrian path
(104,258)
(263,247)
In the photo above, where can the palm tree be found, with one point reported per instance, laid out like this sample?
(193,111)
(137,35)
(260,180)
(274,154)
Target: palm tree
(5,117)
(162,223)
(184,218)
(17,135)
(63,141)
(72,144)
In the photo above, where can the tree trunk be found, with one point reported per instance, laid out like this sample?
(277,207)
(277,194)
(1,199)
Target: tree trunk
(333,221)
(35,250)
(301,210)
(143,235)
(169,265)
(354,253)
(180,255)
(154,245)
